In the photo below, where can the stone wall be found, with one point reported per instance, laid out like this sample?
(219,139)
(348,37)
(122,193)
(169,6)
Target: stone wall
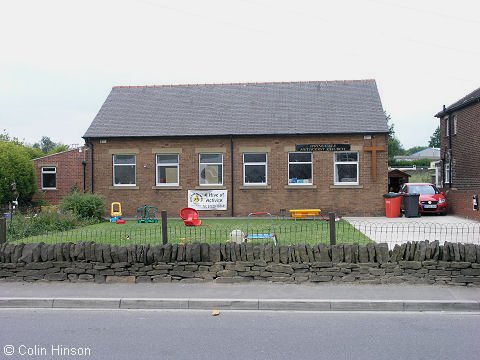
(417,262)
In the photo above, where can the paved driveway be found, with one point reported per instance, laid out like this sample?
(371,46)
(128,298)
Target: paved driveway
(433,227)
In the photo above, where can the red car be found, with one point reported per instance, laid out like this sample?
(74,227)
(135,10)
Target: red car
(431,201)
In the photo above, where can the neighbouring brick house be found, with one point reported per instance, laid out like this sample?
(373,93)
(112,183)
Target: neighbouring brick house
(59,173)
(460,141)
(239,148)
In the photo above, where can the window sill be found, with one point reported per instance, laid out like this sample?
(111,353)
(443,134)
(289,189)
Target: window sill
(255,187)
(49,189)
(119,187)
(300,187)
(346,186)
(211,187)
(174,187)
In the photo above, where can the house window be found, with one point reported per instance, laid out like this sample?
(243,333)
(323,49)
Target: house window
(447,173)
(447,126)
(255,169)
(124,173)
(454,124)
(49,178)
(300,168)
(346,168)
(211,169)
(167,170)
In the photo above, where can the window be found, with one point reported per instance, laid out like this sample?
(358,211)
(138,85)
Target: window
(124,170)
(447,126)
(167,170)
(454,125)
(300,168)
(255,169)
(447,173)
(49,178)
(346,168)
(211,169)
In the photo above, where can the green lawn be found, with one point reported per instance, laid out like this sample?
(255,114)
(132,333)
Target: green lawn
(211,231)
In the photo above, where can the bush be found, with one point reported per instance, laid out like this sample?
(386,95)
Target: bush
(38,224)
(85,206)
(16,166)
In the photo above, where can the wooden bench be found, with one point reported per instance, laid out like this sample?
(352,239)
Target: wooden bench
(305,213)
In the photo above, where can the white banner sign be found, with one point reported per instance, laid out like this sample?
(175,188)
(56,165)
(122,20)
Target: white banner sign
(207,199)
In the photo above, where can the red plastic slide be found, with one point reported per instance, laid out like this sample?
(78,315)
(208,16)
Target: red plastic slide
(190,217)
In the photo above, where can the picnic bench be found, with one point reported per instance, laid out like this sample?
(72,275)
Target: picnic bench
(305,213)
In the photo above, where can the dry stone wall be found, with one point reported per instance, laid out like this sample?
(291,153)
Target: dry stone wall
(417,262)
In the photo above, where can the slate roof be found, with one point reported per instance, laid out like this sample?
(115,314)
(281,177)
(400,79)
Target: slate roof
(468,100)
(428,153)
(317,107)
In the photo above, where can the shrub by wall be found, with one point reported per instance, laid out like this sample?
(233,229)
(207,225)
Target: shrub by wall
(44,222)
(86,206)
(417,262)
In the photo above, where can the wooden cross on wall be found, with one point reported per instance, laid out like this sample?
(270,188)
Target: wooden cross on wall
(374,148)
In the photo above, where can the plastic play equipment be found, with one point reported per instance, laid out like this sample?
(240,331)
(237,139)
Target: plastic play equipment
(266,233)
(190,217)
(146,214)
(115,212)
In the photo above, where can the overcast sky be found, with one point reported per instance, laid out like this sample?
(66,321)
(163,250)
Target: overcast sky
(59,59)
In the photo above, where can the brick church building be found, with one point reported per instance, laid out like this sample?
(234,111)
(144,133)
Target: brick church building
(231,149)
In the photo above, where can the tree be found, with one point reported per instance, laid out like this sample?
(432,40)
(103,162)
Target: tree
(435,138)
(16,167)
(4,136)
(394,146)
(46,144)
(45,147)
(58,148)
(34,153)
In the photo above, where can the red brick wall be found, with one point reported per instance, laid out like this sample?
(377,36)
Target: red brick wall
(461,203)
(365,199)
(69,173)
(465,160)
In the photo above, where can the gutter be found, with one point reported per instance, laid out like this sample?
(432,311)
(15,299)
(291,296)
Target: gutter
(450,156)
(457,107)
(232,173)
(84,163)
(91,146)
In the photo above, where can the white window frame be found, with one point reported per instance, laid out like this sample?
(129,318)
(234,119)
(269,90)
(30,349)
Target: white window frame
(335,163)
(200,163)
(298,163)
(454,125)
(261,163)
(115,165)
(447,179)
(175,164)
(447,126)
(49,172)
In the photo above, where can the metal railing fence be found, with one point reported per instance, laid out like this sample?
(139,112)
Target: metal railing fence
(286,232)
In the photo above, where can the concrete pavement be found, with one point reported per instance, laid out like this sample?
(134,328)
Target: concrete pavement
(428,227)
(251,296)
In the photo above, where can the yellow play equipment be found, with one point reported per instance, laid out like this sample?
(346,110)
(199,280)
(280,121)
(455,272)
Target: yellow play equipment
(115,211)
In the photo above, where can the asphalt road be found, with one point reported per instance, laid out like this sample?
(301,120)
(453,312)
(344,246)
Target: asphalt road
(113,334)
